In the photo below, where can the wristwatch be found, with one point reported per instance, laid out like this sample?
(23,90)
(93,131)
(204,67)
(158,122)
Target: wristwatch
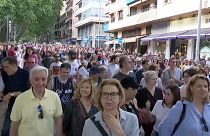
(12,94)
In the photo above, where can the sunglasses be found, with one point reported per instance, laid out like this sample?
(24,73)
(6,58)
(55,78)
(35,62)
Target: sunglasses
(204,125)
(40,110)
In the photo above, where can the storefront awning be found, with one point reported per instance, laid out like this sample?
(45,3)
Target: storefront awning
(171,35)
(193,33)
(150,37)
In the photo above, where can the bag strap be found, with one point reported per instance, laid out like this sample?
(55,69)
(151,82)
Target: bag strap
(99,126)
(180,119)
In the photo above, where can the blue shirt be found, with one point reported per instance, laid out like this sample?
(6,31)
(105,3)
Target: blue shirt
(128,121)
(191,124)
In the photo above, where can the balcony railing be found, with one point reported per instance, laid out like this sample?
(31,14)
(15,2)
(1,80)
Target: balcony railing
(142,10)
(120,18)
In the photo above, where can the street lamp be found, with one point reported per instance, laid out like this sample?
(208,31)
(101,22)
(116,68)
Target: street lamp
(197,53)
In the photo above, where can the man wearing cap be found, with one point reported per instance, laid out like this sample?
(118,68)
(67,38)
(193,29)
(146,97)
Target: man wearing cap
(73,61)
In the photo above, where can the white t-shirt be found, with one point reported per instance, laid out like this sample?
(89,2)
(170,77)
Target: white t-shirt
(159,111)
(113,68)
(74,66)
(182,91)
(55,68)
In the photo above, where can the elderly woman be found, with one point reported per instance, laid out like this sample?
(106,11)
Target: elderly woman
(111,120)
(146,99)
(191,115)
(79,109)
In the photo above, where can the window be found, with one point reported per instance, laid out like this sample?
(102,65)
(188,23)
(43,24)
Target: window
(207,20)
(145,8)
(120,15)
(133,11)
(112,1)
(166,1)
(131,33)
(148,29)
(112,18)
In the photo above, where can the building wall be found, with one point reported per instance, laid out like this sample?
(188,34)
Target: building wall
(189,23)
(160,27)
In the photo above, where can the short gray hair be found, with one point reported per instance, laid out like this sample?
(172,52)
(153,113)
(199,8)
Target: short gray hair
(103,69)
(38,69)
(149,74)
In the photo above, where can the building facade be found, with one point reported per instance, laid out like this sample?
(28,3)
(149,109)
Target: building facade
(89,21)
(166,26)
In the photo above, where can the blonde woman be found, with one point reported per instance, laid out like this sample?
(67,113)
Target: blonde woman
(111,120)
(79,109)
(196,118)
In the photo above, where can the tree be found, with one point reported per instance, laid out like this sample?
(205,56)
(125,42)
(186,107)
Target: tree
(33,17)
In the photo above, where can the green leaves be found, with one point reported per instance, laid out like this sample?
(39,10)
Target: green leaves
(33,17)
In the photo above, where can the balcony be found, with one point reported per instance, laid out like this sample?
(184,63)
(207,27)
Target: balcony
(179,7)
(90,19)
(78,11)
(131,20)
(128,2)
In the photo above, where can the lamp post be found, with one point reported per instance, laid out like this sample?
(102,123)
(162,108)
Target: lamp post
(197,55)
(7,38)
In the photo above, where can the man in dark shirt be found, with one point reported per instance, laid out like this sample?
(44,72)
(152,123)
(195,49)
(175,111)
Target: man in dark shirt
(16,81)
(139,73)
(125,65)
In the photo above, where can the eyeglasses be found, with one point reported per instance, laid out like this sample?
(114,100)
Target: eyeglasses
(204,125)
(31,62)
(112,95)
(40,110)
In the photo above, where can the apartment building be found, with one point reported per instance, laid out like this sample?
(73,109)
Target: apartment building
(89,21)
(166,26)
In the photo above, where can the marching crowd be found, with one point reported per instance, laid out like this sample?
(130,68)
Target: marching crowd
(61,90)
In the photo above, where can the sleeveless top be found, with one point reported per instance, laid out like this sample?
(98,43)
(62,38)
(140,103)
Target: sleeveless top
(64,90)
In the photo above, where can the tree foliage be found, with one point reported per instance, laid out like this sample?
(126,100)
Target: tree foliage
(35,17)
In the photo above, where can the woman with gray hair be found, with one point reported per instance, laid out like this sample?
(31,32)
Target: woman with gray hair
(146,99)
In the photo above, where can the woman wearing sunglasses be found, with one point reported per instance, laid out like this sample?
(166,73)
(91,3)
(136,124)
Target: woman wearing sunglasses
(196,118)
(111,120)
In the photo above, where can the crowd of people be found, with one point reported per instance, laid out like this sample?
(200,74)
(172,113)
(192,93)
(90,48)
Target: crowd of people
(65,90)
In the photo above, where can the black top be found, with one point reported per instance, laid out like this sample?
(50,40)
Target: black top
(119,76)
(130,107)
(64,90)
(19,82)
(144,95)
(139,75)
(75,116)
